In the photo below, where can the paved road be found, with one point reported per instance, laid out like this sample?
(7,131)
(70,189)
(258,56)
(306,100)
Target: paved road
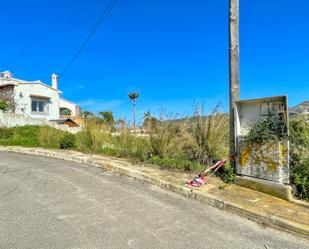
(48,203)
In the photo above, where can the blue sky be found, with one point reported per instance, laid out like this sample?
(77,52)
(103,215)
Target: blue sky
(173,52)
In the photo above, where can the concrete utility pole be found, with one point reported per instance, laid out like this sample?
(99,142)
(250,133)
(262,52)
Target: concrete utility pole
(233,66)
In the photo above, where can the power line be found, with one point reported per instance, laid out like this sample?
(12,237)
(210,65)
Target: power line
(94,29)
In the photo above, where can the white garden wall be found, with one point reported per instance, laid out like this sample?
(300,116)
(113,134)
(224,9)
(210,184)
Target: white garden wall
(9,120)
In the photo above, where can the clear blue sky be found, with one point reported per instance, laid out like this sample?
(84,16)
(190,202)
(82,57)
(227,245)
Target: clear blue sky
(173,52)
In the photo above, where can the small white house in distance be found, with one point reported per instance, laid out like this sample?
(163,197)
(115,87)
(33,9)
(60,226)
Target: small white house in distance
(34,98)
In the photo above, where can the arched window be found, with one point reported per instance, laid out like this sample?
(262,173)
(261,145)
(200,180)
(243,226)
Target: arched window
(65,111)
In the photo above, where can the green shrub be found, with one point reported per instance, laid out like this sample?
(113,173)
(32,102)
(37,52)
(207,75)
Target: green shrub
(300,176)
(226,173)
(266,130)
(141,149)
(128,145)
(108,150)
(299,154)
(34,136)
(67,141)
(84,141)
(6,133)
(123,142)
(49,137)
(93,136)
(24,136)
(3,105)
(299,132)
(27,131)
(176,163)
(56,139)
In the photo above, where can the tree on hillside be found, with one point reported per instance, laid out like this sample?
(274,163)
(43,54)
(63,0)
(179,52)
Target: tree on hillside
(147,115)
(108,118)
(87,114)
(133,96)
(147,120)
(121,124)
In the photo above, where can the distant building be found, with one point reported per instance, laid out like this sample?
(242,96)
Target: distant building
(35,99)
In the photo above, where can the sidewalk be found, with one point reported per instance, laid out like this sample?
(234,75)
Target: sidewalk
(259,207)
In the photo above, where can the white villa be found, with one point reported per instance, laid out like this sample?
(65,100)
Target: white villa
(35,99)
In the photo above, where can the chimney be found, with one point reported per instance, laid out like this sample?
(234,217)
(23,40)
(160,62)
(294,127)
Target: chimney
(6,74)
(54,78)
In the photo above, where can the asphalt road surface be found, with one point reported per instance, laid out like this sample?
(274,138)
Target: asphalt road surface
(49,203)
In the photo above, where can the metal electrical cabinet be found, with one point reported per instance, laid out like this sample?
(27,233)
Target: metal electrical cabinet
(269,160)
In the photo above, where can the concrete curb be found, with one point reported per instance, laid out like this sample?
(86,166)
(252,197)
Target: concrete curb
(272,188)
(120,168)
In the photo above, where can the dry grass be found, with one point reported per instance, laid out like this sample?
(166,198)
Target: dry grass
(49,137)
(208,136)
(166,136)
(94,135)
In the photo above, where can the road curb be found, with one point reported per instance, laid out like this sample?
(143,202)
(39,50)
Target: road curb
(206,198)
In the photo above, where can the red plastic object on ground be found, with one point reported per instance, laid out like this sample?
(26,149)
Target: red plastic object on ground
(200,179)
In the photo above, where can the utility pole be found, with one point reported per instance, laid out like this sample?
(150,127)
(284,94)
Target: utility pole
(134,110)
(233,67)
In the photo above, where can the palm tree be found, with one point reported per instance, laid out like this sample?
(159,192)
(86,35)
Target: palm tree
(133,96)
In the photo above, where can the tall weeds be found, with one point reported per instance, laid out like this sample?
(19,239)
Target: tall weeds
(49,137)
(94,135)
(175,143)
(164,138)
(208,136)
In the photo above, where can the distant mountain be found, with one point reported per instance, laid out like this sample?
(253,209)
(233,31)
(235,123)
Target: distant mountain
(299,110)
(302,108)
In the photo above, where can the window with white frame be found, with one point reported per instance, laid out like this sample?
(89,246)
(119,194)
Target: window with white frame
(39,105)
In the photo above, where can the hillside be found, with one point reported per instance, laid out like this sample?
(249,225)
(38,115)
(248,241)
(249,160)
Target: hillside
(302,108)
